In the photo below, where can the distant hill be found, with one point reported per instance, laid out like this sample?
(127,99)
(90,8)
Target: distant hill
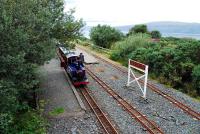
(177,29)
(167,28)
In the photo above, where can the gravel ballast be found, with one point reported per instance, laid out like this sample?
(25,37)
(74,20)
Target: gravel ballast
(170,118)
(119,117)
(86,124)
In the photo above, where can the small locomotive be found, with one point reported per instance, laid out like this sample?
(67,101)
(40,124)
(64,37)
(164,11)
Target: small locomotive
(73,65)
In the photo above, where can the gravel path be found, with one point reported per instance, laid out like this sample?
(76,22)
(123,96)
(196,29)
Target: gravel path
(56,93)
(170,118)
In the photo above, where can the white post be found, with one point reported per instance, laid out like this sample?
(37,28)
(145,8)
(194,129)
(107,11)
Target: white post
(129,71)
(145,82)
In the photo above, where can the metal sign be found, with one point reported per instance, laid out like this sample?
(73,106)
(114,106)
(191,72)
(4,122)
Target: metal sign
(142,68)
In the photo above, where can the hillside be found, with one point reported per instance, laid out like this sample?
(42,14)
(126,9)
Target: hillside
(177,29)
(167,28)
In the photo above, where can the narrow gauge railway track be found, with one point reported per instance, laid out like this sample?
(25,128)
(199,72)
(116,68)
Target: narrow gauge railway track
(101,116)
(172,100)
(135,114)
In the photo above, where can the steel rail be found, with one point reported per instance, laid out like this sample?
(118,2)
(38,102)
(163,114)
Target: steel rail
(135,114)
(101,116)
(177,103)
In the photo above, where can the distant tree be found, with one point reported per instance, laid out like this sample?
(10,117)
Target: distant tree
(141,28)
(155,34)
(105,35)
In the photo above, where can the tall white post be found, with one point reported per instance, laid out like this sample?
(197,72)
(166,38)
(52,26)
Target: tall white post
(129,71)
(145,82)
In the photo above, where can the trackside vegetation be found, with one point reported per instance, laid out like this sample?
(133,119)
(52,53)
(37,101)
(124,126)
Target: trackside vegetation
(172,61)
(29,32)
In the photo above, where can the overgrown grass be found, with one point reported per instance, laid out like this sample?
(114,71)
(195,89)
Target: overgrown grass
(30,123)
(122,49)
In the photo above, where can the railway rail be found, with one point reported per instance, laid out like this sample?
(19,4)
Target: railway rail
(172,100)
(150,126)
(101,116)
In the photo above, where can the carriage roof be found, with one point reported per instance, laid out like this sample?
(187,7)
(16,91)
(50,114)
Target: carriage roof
(71,55)
(68,53)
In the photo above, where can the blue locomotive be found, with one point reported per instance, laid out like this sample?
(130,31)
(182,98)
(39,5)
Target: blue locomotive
(73,65)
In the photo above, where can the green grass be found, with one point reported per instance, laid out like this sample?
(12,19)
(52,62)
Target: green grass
(57,111)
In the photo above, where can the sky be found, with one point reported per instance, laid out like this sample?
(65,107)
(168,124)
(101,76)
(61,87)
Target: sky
(129,12)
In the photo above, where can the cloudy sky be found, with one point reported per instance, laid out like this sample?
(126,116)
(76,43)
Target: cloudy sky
(125,12)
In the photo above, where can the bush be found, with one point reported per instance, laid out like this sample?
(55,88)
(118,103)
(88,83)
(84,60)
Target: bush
(173,61)
(115,55)
(104,35)
(30,123)
(196,78)
(130,44)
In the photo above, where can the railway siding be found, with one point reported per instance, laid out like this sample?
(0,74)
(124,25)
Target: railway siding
(166,115)
(135,114)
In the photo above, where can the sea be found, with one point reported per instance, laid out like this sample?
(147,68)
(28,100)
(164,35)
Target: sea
(86,33)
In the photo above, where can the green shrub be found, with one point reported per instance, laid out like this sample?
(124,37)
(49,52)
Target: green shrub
(196,78)
(139,54)
(31,123)
(115,55)
(128,45)
(173,61)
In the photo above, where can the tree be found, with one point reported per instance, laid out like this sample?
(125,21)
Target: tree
(141,28)
(155,34)
(28,30)
(68,28)
(105,35)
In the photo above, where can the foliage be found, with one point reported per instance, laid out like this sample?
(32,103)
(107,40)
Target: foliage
(196,77)
(123,48)
(28,30)
(104,35)
(68,28)
(155,34)
(30,123)
(173,61)
(141,28)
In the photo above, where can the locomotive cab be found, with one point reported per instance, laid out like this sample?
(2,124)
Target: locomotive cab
(76,70)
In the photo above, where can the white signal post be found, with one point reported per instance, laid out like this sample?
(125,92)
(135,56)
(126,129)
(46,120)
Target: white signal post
(142,68)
